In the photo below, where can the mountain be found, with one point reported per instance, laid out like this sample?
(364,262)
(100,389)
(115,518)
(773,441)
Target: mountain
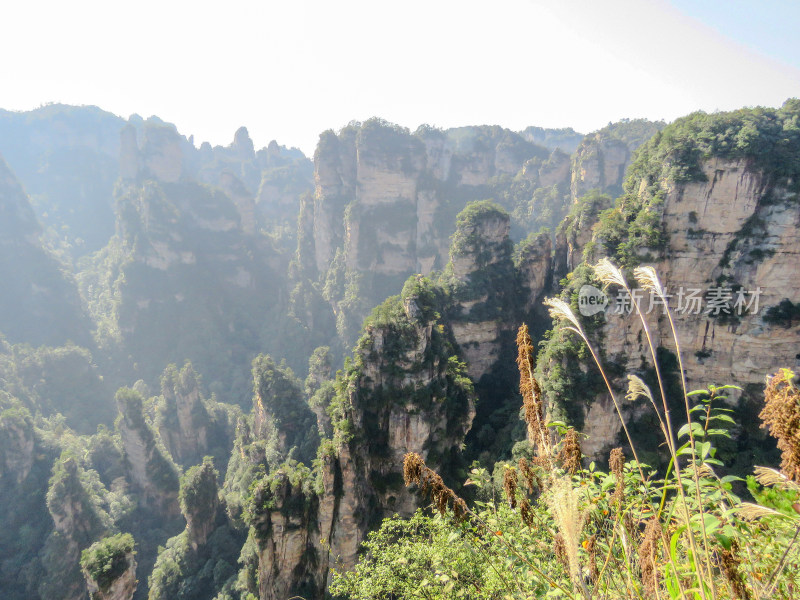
(283,332)
(39,303)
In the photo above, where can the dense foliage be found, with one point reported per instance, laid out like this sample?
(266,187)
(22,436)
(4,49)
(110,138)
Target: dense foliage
(106,560)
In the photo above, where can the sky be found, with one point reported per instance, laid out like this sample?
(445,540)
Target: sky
(289,70)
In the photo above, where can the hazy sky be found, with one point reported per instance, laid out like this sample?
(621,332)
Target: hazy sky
(289,70)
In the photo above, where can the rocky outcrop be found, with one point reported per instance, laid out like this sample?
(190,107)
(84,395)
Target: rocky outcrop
(200,503)
(385,200)
(535,266)
(66,157)
(122,588)
(402,393)
(17,443)
(601,159)
(109,568)
(152,474)
(737,231)
(721,229)
(182,419)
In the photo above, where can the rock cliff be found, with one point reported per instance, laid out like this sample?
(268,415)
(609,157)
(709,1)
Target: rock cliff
(385,200)
(718,218)
(404,391)
(152,474)
(115,579)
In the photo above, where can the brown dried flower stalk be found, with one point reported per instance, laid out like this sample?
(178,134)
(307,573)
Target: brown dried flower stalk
(560,550)
(531,393)
(431,484)
(510,486)
(570,454)
(532,480)
(647,557)
(729,565)
(526,512)
(782,415)
(616,462)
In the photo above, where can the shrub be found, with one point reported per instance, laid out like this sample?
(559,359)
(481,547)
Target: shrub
(106,560)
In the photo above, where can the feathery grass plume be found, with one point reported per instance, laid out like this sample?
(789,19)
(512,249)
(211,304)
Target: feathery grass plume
(637,389)
(729,565)
(647,557)
(432,485)
(752,512)
(782,415)
(608,274)
(563,504)
(616,463)
(531,393)
(648,279)
(510,485)
(561,311)
(570,454)
(770,477)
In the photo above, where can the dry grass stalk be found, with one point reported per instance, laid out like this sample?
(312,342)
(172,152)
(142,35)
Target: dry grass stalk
(532,480)
(560,550)
(570,454)
(431,484)
(729,565)
(531,393)
(616,463)
(510,486)
(526,512)
(781,414)
(647,557)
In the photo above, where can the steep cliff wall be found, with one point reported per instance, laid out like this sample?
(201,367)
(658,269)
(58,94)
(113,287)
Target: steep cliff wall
(183,276)
(386,200)
(602,158)
(404,391)
(712,204)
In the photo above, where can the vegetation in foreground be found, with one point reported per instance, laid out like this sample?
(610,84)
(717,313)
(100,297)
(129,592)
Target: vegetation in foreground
(557,529)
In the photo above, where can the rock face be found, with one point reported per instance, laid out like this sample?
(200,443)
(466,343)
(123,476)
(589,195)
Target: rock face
(200,503)
(66,158)
(483,283)
(16,448)
(122,588)
(385,202)
(402,394)
(601,159)
(734,231)
(39,303)
(721,230)
(78,522)
(109,568)
(183,421)
(151,473)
